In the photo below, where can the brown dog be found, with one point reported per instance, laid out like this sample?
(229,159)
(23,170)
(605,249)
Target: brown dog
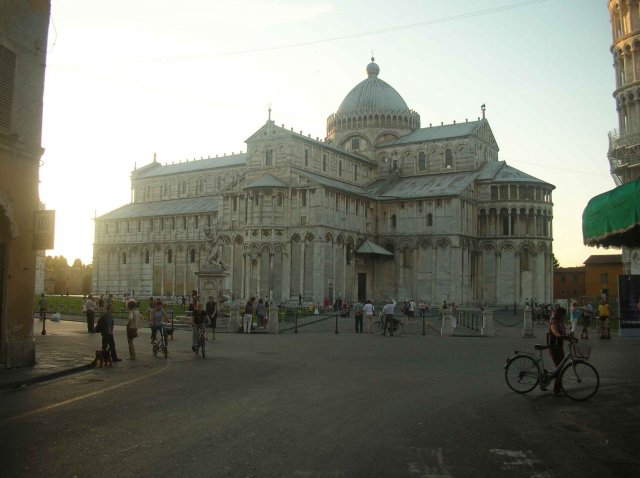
(102,358)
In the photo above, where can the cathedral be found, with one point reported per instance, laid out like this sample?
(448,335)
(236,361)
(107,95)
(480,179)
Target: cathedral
(382,207)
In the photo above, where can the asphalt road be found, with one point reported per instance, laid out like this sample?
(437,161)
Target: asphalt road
(322,405)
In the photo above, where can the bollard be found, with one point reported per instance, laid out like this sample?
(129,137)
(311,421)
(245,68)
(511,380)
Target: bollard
(424,332)
(527,325)
(447,328)
(295,325)
(487,323)
(336,323)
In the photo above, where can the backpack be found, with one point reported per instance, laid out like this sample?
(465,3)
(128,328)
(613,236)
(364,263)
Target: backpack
(100,326)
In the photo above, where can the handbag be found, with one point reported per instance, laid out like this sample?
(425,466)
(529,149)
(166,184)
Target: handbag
(132,333)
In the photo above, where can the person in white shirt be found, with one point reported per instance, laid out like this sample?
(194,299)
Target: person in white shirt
(369,310)
(388,312)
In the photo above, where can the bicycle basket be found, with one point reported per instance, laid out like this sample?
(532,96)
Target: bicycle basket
(581,351)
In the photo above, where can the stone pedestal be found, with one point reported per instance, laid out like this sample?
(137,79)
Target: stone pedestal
(447,327)
(212,281)
(527,325)
(487,329)
(235,320)
(273,327)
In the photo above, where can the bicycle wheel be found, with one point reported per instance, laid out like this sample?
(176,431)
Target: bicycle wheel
(202,342)
(579,380)
(155,350)
(521,373)
(399,329)
(378,327)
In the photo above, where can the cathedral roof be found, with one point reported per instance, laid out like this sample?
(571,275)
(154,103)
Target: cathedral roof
(500,171)
(239,159)
(172,207)
(334,183)
(372,96)
(430,185)
(433,133)
(267,181)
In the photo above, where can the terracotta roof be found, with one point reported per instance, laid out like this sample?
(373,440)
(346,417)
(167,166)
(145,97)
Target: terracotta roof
(604,259)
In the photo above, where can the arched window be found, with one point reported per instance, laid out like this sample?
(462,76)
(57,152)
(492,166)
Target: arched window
(169,256)
(406,257)
(393,221)
(429,219)
(422,161)
(340,168)
(192,256)
(184,187)
(448,159)
(124,257)
(164,189)
(306,157)
(324,163)
(146,257)
(269,158)
(279,199)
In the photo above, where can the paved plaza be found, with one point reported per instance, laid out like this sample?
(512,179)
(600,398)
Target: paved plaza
(314,403)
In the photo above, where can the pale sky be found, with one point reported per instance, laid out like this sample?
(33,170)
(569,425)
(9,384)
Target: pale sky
(127,79)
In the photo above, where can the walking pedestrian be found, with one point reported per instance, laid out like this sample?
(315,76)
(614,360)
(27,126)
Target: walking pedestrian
(247,317)
(133,324)
(368,313)
(211,307)
(587,314)
(358,309)
(261,312)
(90,310)
(603,313)
(106,330)
(576,312)
(388,312)
(42,305)
(557,333)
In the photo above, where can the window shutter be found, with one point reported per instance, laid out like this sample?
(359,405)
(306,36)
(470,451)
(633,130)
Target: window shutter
(7,79)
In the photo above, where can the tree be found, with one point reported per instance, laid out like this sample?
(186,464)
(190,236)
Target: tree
(556,264)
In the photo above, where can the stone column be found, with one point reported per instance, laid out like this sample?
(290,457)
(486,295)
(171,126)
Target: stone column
(487,329)
(273,327)
(286,271)
(527,327)
(447,328)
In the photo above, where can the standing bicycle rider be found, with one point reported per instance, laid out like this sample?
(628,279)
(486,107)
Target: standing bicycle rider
(199,319)
(388,312)
(157,320)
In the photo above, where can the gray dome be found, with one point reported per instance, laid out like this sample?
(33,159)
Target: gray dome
(372,96)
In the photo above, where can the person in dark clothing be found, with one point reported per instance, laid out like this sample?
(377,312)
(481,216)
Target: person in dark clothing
(211,307)
(106,324)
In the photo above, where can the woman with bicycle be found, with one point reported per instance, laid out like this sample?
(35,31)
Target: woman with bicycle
(557,333)
(157,319)
(198,320)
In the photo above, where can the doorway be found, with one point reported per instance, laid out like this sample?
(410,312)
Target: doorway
(362,286)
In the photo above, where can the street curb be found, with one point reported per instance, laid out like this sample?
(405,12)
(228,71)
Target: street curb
(46,377)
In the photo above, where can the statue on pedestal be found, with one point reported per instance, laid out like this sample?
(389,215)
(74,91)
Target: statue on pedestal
(214,259)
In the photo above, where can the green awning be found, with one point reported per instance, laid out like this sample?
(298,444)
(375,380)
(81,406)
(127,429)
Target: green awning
(613,218)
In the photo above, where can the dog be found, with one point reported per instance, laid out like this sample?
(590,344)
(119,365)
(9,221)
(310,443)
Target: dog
(102,358)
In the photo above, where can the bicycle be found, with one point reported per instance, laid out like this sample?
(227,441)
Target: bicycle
(202,339)
(160,343)
(579,380)
(378,326)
